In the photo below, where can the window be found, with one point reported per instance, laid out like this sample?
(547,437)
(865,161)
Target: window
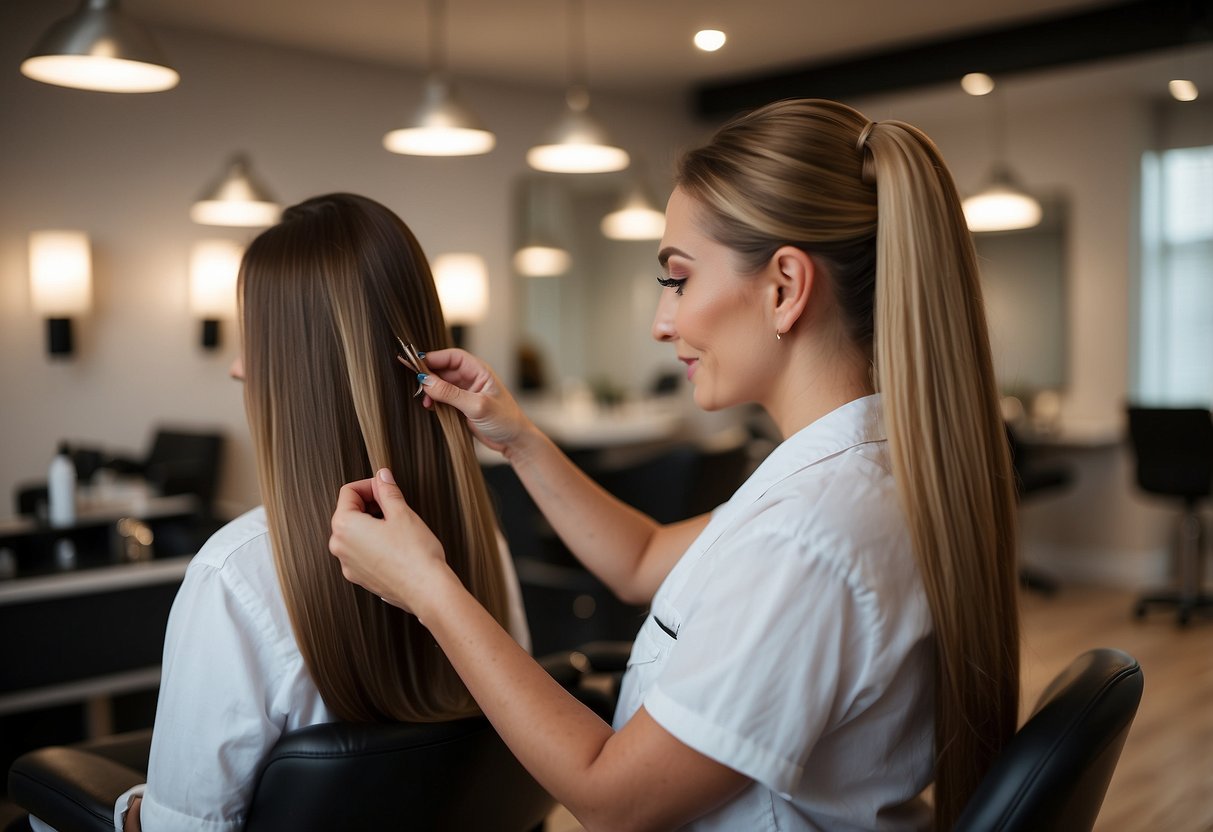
(1175,327)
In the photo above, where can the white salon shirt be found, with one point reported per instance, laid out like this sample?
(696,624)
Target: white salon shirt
(803,650)
(233,681)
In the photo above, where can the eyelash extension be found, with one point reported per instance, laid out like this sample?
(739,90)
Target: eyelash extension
(672,283)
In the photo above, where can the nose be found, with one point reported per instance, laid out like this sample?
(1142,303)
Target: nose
(236,371)
(663,321)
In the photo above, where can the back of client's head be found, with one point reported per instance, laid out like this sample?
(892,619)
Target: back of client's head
(324,295)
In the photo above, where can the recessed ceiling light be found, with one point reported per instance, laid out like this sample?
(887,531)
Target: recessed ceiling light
(1183,90)
(977,83)
(709,40)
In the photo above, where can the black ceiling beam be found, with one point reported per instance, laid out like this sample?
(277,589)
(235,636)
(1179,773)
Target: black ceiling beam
(1106,32)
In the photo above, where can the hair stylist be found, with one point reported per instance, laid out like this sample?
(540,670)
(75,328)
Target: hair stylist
(841,633)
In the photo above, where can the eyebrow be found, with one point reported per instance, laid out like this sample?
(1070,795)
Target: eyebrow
(665,254)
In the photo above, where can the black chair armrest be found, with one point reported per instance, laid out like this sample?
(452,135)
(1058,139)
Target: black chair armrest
(70,788)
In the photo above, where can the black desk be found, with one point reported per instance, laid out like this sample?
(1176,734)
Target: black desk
(96,630)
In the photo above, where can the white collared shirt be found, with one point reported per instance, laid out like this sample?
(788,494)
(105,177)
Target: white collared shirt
(793,642)
(233,681)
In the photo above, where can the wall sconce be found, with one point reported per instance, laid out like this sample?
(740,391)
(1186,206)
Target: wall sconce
(60,272)
(214,266)
(462,281)
(237,198)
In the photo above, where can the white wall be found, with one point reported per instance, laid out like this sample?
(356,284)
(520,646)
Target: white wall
(125,168)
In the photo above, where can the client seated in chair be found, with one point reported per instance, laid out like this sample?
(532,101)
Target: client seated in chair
(265,635)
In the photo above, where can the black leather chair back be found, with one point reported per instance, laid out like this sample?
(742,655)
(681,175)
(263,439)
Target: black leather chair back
(441,776)
(1174,450)
(1054,773)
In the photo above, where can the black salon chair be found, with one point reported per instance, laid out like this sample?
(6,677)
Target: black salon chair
(437,776)
(180,462)
(1054,773)
(1173,448)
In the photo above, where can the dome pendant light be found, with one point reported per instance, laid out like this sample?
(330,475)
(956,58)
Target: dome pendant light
(540,254)
(1002,205)
(635,218)
(99,48)
(579,143)
(443,125)
(237,198)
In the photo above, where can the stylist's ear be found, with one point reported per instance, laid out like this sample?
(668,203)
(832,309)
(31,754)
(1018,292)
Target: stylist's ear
(793,273)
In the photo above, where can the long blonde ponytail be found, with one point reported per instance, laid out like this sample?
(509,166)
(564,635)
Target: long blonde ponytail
(949,451)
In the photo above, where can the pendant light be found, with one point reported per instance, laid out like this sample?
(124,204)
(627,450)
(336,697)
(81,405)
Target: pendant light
(1002,205)
(579,143)
(99,48)
(237,198)
(443,125)
(540,254)
(635,218)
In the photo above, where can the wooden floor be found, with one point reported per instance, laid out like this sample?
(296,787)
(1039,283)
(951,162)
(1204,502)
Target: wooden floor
(1164,780)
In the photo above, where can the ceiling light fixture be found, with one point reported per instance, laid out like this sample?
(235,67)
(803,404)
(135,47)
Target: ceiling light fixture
(1183,90)
(237,198)
(443,125)
(99,48)
(635,218)
(1002,205)
(709,40)
(977,83)
(579,143)
(540,254)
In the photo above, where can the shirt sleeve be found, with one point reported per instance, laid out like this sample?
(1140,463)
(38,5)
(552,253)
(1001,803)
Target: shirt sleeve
(767,658)
(216,717)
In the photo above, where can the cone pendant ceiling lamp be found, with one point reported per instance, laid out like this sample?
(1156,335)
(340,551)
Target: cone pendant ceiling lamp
(99,48)
(443,125)
(1002,205)
(578,143)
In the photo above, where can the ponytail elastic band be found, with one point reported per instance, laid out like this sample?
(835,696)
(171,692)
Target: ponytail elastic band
(863,135)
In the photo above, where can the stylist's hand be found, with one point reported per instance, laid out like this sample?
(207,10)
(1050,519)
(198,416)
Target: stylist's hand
(396,557)
(465,382)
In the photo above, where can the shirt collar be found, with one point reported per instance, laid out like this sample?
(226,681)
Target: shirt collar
(855,423)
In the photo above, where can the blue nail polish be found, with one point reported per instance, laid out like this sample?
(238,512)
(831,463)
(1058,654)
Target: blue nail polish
(421,355)
(421,377)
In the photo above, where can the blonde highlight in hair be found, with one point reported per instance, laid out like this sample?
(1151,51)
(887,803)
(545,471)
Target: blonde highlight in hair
(324,295)
(883,216)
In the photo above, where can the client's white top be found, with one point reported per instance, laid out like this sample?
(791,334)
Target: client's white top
(233,681)
(793,643)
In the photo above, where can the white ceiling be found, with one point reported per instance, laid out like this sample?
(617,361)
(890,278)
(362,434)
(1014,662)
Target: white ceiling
(633,45)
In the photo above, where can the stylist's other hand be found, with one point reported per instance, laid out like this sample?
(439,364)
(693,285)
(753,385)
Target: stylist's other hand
(468,384)
(396,557)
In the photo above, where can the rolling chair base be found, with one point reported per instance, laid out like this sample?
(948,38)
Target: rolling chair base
(1186,604)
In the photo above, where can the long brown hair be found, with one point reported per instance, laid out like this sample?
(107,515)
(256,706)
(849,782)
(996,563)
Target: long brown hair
(324,295)
(876,207)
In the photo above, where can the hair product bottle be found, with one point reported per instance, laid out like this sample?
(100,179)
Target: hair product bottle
(61,488)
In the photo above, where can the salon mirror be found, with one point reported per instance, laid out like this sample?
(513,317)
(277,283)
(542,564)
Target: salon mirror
(589,322)
(1023,278)
(586,302)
